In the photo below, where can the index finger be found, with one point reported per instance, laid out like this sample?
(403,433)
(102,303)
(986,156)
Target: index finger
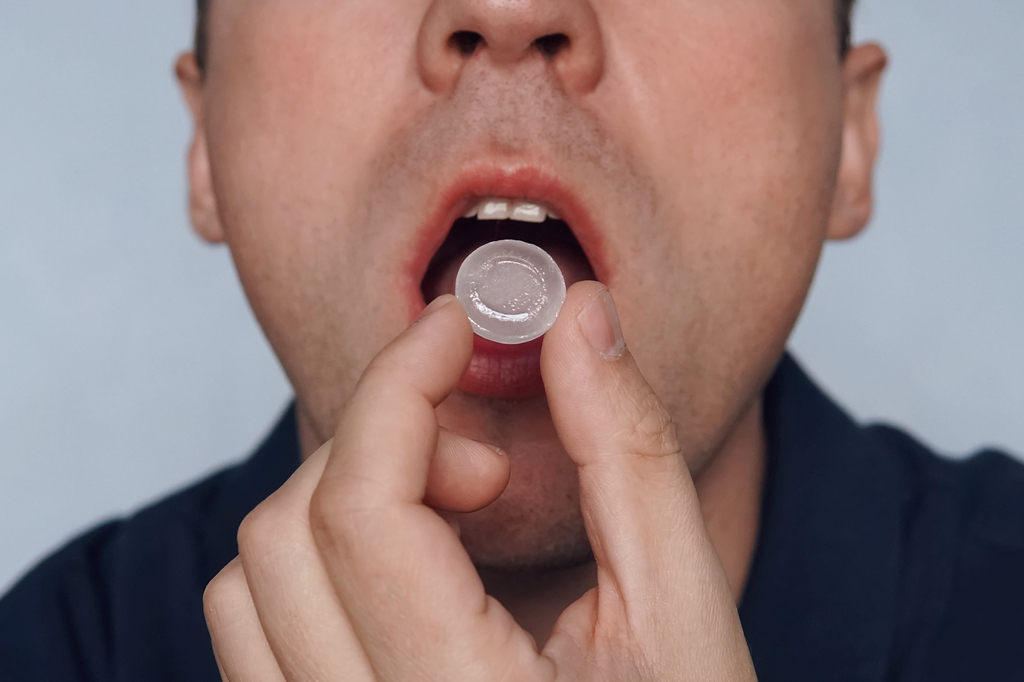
(388,433)
(412,594)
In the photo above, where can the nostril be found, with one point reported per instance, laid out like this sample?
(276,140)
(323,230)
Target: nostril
(551,45)
(466,42)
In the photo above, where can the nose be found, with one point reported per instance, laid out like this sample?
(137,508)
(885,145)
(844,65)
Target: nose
(564,35)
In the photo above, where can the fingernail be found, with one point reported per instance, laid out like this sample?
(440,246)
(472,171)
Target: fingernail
(600,324)
(435,305)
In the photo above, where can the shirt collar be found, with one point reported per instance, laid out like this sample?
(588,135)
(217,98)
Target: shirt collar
(240,489)
(821,598)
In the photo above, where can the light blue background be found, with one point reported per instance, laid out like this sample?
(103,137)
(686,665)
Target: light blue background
(131,363)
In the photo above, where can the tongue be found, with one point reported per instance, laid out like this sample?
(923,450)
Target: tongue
(571,261)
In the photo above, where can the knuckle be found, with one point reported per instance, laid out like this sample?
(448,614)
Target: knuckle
(344,518)
(261,528)
(324,510)
(250,531)
(330,517)
(225,594)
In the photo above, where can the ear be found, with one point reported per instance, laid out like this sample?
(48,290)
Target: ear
(854,200)
(202,200)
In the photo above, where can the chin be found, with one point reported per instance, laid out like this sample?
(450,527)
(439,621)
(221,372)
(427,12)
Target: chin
(536,521)
(527,530)
(525,552)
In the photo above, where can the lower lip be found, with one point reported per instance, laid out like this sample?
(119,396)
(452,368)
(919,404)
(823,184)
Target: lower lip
(504,371)
(498,370)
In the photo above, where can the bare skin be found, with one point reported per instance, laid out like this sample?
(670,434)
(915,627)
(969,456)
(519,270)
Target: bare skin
(345,573)
(713,147)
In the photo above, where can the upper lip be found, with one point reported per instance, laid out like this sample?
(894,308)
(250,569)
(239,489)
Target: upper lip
(524,182)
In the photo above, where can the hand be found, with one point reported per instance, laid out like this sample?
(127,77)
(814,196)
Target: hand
(346,573)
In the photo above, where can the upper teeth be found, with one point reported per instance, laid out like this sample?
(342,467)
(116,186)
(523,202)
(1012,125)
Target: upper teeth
(510,209)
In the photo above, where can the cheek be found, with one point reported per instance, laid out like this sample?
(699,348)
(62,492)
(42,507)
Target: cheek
(297,111)
(744,149)
(296,114)
(732,105)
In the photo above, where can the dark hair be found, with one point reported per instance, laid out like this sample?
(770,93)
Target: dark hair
(844,18)
(844,12)
(199,42)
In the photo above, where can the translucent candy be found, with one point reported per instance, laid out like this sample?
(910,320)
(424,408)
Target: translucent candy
(511,290)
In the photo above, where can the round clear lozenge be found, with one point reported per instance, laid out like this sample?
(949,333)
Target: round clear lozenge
(511,290)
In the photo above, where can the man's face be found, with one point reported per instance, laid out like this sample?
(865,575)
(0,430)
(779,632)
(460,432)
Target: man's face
(691,147)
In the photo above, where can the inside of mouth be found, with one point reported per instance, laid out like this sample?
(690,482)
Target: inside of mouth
(467,234)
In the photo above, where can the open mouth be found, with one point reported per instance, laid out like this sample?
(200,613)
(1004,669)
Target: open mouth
(468,233)
(497,370)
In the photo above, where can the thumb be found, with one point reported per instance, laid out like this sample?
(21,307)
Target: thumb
(638,500)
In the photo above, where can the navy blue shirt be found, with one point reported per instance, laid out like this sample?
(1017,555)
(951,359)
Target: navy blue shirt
(876,560)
